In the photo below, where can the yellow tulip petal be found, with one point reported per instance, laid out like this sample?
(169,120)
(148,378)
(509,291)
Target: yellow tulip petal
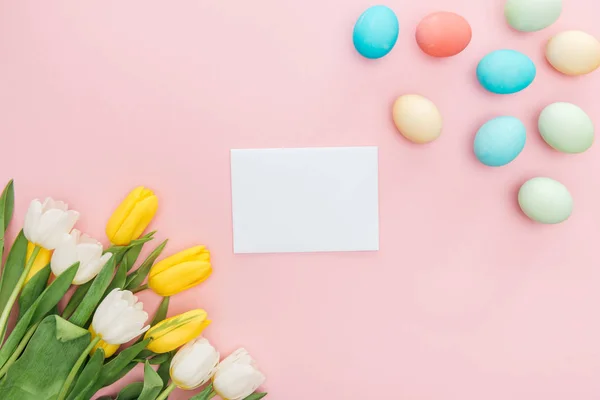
(42,259)
(132,216)
(196,253)
(109,349)
(176,331)
(179,277)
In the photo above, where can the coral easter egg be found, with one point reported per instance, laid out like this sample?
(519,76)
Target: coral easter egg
(443,34)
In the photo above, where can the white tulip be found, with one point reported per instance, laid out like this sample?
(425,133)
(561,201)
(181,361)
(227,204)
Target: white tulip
(45,224)
(237,376)
(120,317)
(77,247)
(194,364)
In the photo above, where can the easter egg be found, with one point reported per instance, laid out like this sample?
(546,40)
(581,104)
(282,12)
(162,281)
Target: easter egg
(376,32)
(566,127)
(443,34)
(499,141)
(417,118)
(505,71)
(573,53)
(532,15)
(545,200)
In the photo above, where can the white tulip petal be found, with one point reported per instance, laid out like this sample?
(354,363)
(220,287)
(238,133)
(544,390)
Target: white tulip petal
(118,318)
(32,218)
(194,364)
(237,376)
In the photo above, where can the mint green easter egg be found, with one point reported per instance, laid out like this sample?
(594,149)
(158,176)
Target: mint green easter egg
(532,15)
(545,200)
(566,127)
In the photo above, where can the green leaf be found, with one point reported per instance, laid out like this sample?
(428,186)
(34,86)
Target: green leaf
(85,310)
(137,277)
(163,369)
(205,394)
(255,396)
(76,298)
(119,251)
(161,312)
(46,362)
(131,391)
(88,376)
(160,358)
(152,384)
(118,281)
(7,206)
(38,310)
(32,289)
(111,369)
(15,264)
(132,255)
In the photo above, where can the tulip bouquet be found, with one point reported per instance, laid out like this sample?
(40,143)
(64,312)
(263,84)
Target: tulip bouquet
(73,352)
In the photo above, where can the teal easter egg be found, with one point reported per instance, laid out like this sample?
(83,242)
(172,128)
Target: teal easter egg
(532,15)
(505,71)
(566,128)
(545,200)
(499,141)
(376,32)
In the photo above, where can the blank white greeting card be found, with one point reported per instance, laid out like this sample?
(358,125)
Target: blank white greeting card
(305,200)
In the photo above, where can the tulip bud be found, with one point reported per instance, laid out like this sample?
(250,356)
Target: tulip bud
(119,318)
(132,216)
(174,332)
(194,364)
(42,259)
(77,247)
(45,224)
(180,271)
(237,376)
(109,349)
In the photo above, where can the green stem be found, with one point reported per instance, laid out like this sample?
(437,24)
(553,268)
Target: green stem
(17,290)
(165,393)
(64,391)
(139,288)
(18,350)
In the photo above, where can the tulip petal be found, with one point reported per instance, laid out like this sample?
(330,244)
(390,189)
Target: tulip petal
(32,219)
(179,277)
(174,332)
(196,253)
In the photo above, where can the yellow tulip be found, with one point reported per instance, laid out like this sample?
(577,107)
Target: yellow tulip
(132,216)
(176,331)
(180,271)
(109,349)
(42,259)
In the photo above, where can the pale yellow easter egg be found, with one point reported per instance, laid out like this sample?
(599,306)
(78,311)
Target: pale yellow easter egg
(417,118)
(573,52)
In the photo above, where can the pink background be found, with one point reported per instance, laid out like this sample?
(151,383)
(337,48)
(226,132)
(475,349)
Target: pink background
(467,298)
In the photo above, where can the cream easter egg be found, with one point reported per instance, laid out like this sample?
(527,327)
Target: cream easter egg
(573,53)
(417,118)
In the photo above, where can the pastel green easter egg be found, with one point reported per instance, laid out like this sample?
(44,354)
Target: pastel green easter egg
(545,200)
(566,127)
(532,15)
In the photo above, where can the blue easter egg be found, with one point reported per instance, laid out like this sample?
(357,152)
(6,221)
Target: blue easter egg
(376,32)
(499,141)
(505,71)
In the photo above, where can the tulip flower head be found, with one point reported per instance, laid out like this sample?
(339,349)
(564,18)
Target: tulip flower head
(42,259)
(132,216)
(176,331)
(194,364)
(120,318)
(46,223)
(77,247)
(237,376)
(180,271)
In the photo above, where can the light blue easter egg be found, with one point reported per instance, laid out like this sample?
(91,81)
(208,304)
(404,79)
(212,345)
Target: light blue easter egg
(505,71)
(376,32)
(499,141)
